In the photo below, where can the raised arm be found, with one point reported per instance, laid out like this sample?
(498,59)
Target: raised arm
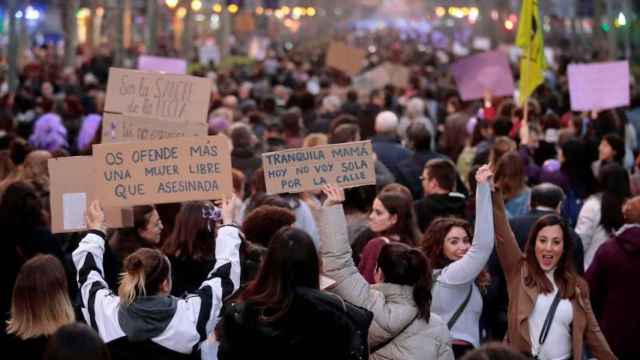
(509,252)
(98,302)
(471,264)
(224,278)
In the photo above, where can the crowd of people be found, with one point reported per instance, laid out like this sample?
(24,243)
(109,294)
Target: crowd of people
(485,224)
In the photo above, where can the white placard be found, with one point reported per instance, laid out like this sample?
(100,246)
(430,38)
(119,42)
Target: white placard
(74,206)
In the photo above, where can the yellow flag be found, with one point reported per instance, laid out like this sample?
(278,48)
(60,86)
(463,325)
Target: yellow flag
(529,38)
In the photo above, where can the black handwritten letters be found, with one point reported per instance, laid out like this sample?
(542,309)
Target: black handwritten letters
(163,171)
(175,98)
(346,165)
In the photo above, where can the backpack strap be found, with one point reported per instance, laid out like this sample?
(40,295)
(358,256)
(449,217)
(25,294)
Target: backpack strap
(461,308)
(386,342)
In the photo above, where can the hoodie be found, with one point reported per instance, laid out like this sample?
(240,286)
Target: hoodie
(611,276)
(439,205)
(147,317)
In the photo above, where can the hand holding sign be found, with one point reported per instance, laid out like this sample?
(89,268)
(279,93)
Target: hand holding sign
(95,217)
(335,195)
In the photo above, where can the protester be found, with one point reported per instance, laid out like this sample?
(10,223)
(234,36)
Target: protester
(614,301)
(511,180)
(418,139)
(190,248)
(601,215)
(143,319)
(459,267)
(26,235)
(391,219)
(538,277)
(146,232)
(76,341)
(271,318)
(403,325)
(546,199)
(439,180)
(39,306)
(573,176)
(385,143)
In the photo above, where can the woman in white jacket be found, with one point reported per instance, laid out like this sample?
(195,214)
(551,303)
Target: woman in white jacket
(459,263)
(403,327)
(601,215)
(143,320)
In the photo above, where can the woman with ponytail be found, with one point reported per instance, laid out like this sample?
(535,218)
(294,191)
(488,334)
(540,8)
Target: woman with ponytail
(144,320)
(403,326)
(459,267)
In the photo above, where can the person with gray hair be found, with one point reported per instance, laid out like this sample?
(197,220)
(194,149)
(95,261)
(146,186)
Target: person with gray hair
(386,144)
(414,114)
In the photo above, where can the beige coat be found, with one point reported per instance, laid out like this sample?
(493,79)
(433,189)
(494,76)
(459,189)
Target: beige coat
(523,298)
(392,305)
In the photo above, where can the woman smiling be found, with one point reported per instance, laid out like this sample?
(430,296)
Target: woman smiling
(549,312)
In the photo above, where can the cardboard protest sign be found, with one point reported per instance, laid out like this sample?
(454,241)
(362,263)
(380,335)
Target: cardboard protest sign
(119,128)
(599,86)
(373,79)
(163,64)
(72,190)
(165,97)
(163,171)
(398,74)
(345,58)
(296,170)
(486,71)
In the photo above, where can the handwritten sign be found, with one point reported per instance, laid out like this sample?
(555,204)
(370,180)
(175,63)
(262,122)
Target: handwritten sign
(163,64)
(599,86)
(163,171)
(345,58)
(486,71)
(373,79)
(72,189)
(165,97)
(398,74)
(297,170)
(119,128)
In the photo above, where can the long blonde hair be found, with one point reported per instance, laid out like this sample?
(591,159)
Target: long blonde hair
(40,303)
(144,272)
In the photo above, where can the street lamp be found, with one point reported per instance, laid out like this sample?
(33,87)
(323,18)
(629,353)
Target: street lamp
(171,3)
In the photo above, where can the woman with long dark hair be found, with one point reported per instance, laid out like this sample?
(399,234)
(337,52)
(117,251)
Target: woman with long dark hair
(190,245)
(403,325)
(574,176)
(601,215)
(392,219)
(549,313)
(459,264)
(283,314)
(143,319)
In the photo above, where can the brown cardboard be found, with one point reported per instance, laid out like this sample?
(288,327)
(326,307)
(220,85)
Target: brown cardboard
(163,171)
(74,175)
(152,95)
(345,58)
(297,170)
(120,128)
(398,74)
